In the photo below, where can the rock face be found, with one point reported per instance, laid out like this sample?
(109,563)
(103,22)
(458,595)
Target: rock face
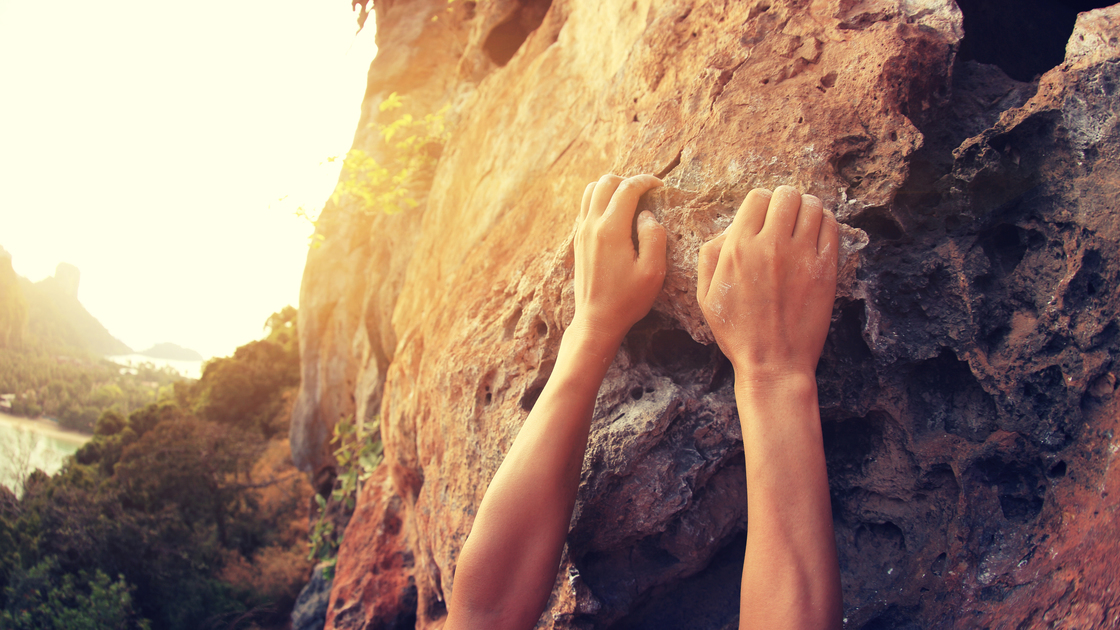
(968,383)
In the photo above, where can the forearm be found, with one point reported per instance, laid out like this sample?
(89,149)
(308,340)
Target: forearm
(507,568)
(790,572)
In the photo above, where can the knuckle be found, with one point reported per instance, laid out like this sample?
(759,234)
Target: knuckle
(601,236)
(627,185)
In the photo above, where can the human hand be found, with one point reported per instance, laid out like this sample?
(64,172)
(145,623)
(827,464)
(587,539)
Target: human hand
(616,286)
(767,284)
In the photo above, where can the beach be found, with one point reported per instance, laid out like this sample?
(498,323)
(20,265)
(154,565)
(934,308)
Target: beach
(26,445)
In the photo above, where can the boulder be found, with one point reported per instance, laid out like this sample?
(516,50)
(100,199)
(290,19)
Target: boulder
(968,381)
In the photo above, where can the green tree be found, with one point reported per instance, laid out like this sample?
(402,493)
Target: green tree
(41,599)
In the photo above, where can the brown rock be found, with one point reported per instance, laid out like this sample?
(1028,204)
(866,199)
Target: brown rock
(967,434)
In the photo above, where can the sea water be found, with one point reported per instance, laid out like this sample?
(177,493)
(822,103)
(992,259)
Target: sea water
(26,445)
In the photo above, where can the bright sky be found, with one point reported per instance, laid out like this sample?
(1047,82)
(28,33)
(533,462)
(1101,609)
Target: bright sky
(148,143)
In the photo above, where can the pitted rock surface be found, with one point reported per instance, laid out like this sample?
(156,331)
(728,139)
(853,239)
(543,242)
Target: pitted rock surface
(968,381)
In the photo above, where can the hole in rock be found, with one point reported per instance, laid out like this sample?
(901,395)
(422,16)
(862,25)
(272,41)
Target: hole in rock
(846,336)
(511,323)
(637,393)
(485,393)
(846,372)
(506,38)
(850,444)
(620,575)
(1106,336)
(1057,470)
(938,566)
(437,606)
(894,618)
(1019,486)
(724,374)
(1025,38)
(708,600)
(533,391)
(1004,245)
(677,351)
(882,545)
(850,169)
(1041,388)
(943,393)
(1088,281)
(878,223)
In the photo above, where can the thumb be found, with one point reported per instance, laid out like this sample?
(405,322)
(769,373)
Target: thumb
(651,244)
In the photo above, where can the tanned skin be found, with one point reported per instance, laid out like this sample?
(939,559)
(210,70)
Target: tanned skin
(766,286)
(508,565)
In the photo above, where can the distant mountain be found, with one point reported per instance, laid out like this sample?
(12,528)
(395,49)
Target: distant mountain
(48,314)
(172,352)
(13,305)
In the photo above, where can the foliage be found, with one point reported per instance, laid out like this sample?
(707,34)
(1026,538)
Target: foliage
(246,390)
(411,149)
(76,390)
(43,600)
(358,451)
(203,522)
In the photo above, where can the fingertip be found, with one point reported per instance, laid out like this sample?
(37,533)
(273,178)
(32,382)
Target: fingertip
(828,241)
(650,230)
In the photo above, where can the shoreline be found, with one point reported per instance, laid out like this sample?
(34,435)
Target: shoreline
(45,427)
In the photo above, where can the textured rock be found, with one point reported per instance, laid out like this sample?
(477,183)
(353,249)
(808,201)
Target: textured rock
(967,386)
(310,610)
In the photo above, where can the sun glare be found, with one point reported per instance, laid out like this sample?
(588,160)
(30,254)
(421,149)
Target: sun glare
(164,148)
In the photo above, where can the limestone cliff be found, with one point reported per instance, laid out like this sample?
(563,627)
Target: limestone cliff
(967,386)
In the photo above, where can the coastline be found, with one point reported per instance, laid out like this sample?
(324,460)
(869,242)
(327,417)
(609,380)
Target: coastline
(45,427)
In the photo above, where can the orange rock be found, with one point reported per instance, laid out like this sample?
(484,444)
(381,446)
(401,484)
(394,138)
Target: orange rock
(977,306)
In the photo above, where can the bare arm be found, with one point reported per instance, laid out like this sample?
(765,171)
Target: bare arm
(508,565)
(766,286)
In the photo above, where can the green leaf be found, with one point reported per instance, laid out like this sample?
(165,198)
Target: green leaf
(392,101)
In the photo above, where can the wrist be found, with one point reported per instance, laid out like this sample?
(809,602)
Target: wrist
(593,337)
(754,382)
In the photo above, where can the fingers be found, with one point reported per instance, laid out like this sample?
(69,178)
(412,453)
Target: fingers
(586,203)
(781,215)
(651,245)
(828,239)
(809,219)
(706,264)
(752,214)
(601,196)
(620,211)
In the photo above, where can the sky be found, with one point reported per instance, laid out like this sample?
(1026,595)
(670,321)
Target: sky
(163,149)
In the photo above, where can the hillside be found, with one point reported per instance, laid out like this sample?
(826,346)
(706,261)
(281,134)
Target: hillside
(171,351)
(55,319)
(13,304)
